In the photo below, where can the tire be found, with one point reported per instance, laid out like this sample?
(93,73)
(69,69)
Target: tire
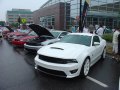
(85,68)
(103,54)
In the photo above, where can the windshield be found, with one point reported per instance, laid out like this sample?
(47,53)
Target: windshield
(32,34)
(77,39)
(23,31)
(55,34)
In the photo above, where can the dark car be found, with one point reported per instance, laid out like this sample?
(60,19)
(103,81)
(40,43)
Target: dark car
(45,37)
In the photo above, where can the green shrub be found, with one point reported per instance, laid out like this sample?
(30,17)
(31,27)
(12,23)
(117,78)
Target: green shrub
(108,37)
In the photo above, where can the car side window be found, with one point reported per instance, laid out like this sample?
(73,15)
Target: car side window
(95,39)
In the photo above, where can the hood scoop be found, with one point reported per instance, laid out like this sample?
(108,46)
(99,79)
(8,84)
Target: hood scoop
(56,48)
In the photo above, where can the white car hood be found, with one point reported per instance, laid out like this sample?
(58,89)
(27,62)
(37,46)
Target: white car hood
(63,50)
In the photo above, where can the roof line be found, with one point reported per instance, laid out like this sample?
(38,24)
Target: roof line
(45,3)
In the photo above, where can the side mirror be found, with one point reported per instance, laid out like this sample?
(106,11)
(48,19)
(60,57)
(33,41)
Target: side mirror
(61,36)
(96,43)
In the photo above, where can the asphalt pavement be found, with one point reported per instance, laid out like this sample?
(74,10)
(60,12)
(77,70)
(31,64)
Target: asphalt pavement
(17,73)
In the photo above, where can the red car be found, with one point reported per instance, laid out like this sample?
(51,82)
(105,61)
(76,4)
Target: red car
(13,35)
(21,40)
(6,30)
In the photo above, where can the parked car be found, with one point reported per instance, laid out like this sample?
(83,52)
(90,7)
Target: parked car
(15,34)
(7,30)
(21,40)
(107,30)
(72,56)
(45,37)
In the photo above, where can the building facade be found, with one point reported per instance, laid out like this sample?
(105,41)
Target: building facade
(13,15)
(62,13)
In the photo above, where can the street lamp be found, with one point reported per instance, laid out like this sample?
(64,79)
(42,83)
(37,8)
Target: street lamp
(19,21)
(80,19)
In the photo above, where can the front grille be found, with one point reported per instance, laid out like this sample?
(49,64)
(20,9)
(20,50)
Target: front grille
(16,39)
(28,43)
(54,60)
(31,50)
(53,72)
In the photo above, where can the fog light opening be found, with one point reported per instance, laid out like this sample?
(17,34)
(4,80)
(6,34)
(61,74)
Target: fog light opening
(35,66)
(74,71)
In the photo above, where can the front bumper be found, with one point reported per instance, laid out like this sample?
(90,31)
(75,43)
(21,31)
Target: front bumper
(18,43)
(10,39)
(28,47)
(62,70)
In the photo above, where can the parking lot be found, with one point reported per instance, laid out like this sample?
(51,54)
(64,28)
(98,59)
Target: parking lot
(17,73)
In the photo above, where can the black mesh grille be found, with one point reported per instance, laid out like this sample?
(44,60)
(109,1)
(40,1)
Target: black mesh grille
(30,50)
(33,44)
(53,72)
(56,60)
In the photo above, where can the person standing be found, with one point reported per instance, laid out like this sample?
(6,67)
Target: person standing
(85,29)
(115,43)
(91,28)
(73,29)
(100,30)
(119,47)
(1,34)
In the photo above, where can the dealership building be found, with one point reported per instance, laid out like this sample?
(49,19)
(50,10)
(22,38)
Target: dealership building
(62,13)
(13,15)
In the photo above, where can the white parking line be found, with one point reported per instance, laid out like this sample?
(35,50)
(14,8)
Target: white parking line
(97,82)
(119,84)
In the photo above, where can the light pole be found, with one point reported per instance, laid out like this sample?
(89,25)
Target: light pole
(80,18)
(19,20)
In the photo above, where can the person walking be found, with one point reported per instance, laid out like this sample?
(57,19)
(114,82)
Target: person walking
(100,30)
(115,43)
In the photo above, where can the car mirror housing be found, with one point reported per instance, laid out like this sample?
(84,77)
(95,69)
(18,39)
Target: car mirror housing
(96,43)
(61,36)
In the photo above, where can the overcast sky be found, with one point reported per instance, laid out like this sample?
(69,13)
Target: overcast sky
(20,4)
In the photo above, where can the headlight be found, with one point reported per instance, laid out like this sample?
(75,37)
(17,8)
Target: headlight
(21,40)
(14,36)
(25,40)
(72,61)
(38,44)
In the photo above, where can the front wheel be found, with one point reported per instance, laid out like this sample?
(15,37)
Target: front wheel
(85,68)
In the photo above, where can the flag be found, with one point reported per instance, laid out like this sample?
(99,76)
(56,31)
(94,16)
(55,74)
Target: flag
(84,13)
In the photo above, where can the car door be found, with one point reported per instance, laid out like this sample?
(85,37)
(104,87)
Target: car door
(95,49)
